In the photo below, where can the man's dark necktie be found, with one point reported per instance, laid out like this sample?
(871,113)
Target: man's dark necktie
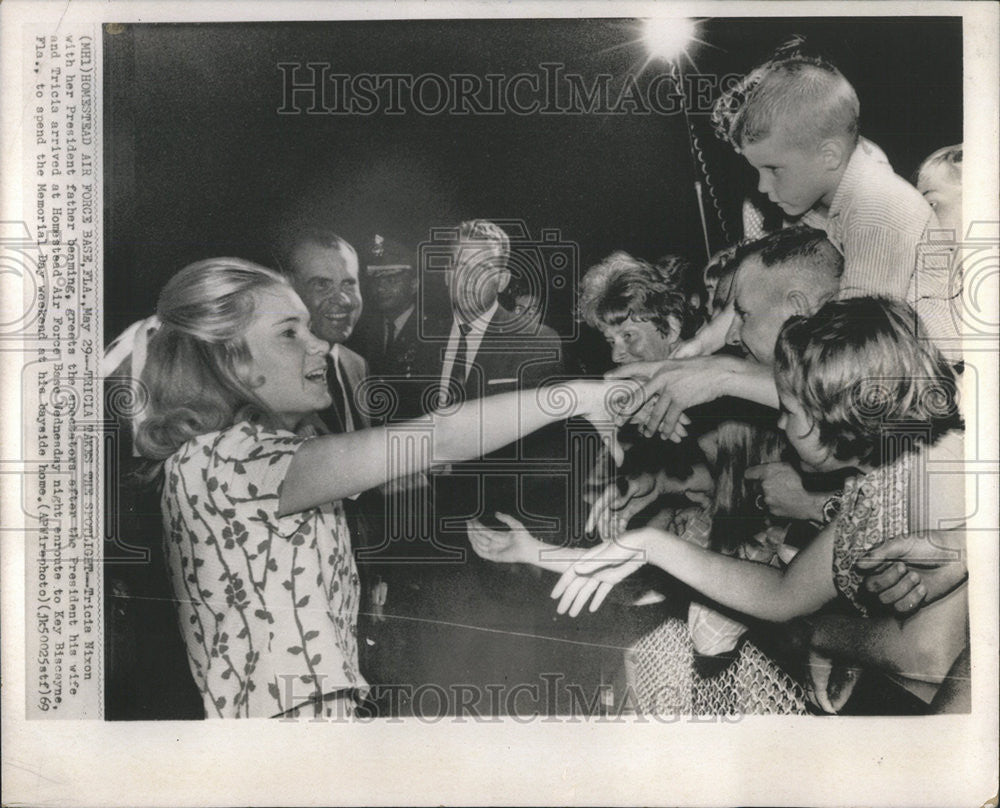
(390,337)
(334,416)
(461,358)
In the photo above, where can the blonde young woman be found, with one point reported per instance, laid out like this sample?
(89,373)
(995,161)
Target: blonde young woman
(256,541)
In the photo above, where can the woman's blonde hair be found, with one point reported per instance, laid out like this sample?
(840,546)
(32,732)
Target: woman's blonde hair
(868,378)
(949,156)
(197,370)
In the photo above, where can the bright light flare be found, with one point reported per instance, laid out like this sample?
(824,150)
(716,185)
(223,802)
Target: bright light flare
(667,38)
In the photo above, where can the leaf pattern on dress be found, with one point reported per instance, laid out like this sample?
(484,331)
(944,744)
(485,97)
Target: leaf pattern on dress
(283,610)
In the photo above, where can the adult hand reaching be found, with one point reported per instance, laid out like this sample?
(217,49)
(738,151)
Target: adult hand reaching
(710,338)
(688,349)
(783,493)
(673,385)
(916,569)
(612,511)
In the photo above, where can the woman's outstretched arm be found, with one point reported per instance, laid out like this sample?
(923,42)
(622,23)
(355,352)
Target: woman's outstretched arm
(332,467)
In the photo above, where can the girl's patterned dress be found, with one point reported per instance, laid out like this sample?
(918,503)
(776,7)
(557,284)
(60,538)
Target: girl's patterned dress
(267,604)
(877,507)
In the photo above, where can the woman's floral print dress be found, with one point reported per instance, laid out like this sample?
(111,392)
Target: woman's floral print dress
(268,604)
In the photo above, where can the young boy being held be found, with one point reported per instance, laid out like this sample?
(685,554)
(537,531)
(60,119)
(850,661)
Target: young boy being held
(795,120)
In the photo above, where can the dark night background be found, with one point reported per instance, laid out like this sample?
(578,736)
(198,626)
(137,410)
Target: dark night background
(198,163)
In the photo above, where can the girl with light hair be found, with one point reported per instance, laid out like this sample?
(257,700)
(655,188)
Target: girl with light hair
(256,542)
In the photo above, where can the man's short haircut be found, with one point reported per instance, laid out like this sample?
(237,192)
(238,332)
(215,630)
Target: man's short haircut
(816,261)
(720,264)
(719,273)
(284,249)
(483,232)
(805,96)
(949,156)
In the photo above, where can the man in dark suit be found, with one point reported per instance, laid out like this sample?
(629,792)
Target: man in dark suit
(323,269)
(491,350)
(468,623)
(393,334)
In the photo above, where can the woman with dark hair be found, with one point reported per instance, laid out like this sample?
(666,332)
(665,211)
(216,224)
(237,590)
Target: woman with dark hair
(644,313)
(257,545)
(641,310)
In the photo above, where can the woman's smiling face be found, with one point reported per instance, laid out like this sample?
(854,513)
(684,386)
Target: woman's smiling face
(637,341)
(288,363)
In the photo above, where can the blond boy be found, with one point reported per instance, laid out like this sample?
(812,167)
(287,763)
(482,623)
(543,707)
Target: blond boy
(795,120)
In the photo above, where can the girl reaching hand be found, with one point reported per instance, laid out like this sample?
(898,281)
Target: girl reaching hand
(859,390)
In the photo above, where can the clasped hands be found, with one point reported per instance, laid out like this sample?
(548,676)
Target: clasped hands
(913,570)
(671,386)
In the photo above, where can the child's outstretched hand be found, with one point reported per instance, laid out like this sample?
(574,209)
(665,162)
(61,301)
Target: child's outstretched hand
(512,546)
(598,570)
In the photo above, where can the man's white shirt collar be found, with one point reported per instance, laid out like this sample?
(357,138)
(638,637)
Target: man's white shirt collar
(400,321)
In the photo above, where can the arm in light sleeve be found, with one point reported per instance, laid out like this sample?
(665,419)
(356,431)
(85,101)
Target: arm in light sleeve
(879,260)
